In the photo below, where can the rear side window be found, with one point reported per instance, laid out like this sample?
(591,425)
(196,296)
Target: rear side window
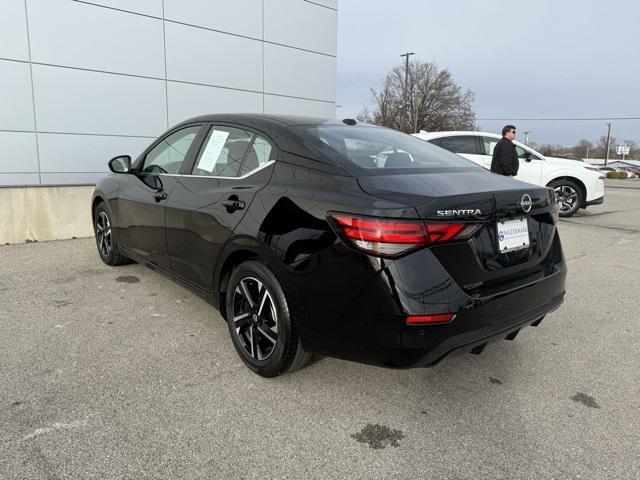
(259,153)
(489,144)
(460,144)
(223,152)
(377,149)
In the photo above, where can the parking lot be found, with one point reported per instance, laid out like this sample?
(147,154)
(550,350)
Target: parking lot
(123,373)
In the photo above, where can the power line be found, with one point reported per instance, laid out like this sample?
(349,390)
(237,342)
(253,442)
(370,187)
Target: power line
(559,119)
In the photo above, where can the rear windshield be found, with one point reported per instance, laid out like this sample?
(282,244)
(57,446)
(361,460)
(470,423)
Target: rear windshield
(379,150)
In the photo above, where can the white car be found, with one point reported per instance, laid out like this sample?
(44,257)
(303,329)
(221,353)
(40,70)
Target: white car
(577,184)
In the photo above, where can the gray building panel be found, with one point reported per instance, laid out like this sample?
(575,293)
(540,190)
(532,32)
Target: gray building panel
(82,81)
(16,99)
(333,4)
(239,17)
(146,7)
(287,22)
(95,38)
(277,104)
(212,58)
(79,101)
(62,153)
(13,31)
(80,178)
(188,100)
(19,179)
(287,71)
(18,152)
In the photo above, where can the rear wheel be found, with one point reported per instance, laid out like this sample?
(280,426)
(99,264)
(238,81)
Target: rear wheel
(260,321)
(568,195)
(105,241)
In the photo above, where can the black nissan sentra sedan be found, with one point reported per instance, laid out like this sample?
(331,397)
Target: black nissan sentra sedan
(331,237)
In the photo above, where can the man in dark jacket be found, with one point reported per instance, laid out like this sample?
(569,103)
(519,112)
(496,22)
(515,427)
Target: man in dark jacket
(505,159)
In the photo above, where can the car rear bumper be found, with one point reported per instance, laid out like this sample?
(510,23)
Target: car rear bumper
(475,337)
(491,318)
(374,330)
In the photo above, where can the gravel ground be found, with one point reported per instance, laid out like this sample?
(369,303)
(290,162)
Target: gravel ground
(122,373)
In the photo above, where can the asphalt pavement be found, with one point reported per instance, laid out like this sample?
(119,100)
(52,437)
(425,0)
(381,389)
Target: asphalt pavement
(122,373)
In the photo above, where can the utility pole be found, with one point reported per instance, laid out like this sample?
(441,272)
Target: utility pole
(606,153)
(526,137)
(406,86)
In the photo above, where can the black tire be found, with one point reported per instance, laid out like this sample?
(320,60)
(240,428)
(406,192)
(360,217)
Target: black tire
(569,195)
(105,238)
(263,331)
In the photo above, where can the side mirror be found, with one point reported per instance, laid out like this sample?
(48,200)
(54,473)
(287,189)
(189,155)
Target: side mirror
(528,156)
(120,164)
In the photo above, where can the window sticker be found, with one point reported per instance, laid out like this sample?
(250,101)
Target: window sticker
(212,151)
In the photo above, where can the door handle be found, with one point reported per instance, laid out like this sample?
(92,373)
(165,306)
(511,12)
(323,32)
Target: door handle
(232,205)
(159,195)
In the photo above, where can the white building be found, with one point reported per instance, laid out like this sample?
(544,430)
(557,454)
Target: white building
(82,81)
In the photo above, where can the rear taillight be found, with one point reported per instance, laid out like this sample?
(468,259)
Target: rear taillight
(386,237)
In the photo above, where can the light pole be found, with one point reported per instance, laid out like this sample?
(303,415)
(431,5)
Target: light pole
(606,153)
(406,84)
(526,137)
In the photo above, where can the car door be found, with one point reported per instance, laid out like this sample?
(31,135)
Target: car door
(466,146)
(530,165)
(206,205)
(488,144)
(530,169)
(143,194)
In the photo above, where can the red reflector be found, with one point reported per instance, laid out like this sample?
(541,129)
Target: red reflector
(423,319)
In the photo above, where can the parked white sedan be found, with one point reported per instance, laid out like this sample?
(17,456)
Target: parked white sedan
(577,184)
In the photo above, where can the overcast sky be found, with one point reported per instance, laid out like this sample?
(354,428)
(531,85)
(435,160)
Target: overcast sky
(522,59)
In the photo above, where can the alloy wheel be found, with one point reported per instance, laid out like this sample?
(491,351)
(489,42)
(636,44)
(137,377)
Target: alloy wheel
(255,318)
(566,197)
(103,234)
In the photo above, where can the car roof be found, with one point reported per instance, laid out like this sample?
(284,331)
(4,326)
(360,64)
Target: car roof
(262,119)
(278,128)
(428,135)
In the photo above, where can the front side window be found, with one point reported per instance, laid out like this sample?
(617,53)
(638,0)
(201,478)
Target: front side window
(376,149)
(460,144)
(223,152)
(522,153)
(168,155)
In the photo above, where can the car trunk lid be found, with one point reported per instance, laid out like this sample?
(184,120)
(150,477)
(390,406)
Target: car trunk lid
(476,197)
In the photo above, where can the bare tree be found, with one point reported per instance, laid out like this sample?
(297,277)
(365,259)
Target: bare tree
(432,101)
(582,147)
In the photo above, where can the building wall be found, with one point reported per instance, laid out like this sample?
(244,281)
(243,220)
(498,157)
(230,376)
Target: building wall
(83,81)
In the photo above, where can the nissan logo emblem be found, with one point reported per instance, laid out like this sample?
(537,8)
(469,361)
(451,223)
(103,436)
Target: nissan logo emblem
(526,203)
